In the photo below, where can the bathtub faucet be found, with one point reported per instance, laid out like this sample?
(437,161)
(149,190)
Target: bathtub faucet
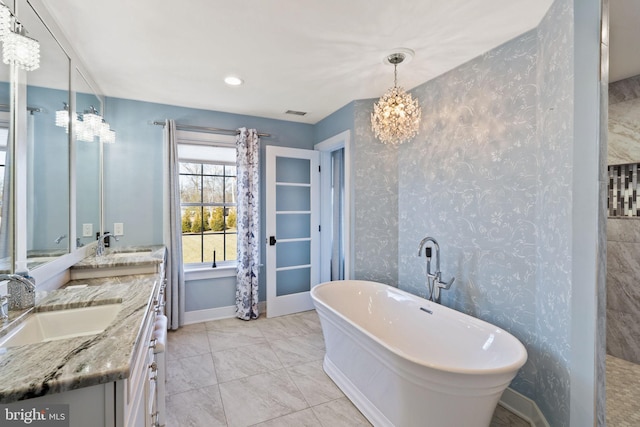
(434,279)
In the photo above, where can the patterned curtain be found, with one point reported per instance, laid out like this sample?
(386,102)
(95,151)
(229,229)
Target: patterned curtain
(172,230)
(248,223)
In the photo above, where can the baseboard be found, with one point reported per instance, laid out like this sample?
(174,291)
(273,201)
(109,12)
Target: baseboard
(209,314)
(523,407)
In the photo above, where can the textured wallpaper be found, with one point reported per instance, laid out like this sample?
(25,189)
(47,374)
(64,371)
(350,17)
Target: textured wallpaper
(554,219)
(376,203)
(470,180)
(489,176)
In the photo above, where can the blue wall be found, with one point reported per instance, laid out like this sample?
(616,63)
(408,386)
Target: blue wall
(133,171)
(339,121)
(48,209)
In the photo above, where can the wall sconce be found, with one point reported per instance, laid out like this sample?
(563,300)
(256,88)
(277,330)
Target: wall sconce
(17,48)
(89,125)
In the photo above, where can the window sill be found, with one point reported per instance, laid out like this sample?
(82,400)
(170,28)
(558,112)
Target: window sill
(205,271)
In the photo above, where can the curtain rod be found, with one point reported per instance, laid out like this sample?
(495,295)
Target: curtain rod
(208,129)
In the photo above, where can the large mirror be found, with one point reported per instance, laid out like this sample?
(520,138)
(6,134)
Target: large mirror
(47,147)
(87,168)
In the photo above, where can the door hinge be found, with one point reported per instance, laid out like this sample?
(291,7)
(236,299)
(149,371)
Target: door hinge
(319,167)
(319,228)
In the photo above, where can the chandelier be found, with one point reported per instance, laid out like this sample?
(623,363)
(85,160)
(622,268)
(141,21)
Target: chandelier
(396,115)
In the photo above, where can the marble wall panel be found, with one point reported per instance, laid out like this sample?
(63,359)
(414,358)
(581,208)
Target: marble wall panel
(624,132)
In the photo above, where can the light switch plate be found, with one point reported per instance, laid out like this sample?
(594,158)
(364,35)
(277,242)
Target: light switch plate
(87,230)
(118,229)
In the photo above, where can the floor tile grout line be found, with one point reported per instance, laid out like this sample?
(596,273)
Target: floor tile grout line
(226,420)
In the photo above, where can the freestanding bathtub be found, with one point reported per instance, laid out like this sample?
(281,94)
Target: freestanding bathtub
(406,361)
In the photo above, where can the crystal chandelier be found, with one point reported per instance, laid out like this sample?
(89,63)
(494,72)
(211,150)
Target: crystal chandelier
(396,115)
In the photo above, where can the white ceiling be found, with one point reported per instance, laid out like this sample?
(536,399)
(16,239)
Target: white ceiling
(312,55)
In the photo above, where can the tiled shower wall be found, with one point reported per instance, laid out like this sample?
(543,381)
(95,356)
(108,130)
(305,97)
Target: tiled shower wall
(623,225)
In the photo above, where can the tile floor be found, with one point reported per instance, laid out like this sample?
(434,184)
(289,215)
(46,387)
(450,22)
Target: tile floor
(266,372)
(623,387)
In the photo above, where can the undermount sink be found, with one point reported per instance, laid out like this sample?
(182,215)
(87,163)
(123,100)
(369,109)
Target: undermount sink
(59,324)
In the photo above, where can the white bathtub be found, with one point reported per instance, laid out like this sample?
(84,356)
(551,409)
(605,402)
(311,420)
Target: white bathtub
(406,361)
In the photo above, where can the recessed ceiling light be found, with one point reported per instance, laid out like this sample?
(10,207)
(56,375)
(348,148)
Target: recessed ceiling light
(233,80)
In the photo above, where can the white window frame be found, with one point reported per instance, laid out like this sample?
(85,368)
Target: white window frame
(197,271)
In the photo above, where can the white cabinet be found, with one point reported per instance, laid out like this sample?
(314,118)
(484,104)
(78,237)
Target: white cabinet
(131,402)
(136,397)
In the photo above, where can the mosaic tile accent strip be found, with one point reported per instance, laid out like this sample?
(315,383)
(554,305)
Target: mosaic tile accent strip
(624,198)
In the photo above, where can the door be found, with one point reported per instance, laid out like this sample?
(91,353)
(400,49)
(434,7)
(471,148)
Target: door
(293,228)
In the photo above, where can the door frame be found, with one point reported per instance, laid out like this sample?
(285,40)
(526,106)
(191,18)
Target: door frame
(288,304)
(326,147)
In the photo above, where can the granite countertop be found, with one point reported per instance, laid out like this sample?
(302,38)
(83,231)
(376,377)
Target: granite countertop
(124,257)
(51,367)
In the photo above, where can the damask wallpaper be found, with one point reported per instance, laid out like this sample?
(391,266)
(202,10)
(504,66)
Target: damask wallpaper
(490,177)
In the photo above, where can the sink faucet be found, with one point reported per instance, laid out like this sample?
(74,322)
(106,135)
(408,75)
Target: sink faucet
(100,247)
(59,239)
(434,280)
(22,291)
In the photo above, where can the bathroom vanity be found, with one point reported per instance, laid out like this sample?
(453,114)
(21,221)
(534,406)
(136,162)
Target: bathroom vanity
(110,377)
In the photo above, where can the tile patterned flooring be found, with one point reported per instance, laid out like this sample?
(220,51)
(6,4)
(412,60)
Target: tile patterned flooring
(266,372)
(623,385)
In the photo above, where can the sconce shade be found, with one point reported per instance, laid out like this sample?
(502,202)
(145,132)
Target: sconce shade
(21,50)
(107,135)
(5,21)
(62,117)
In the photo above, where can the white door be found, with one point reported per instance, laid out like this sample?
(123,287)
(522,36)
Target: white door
(293,228)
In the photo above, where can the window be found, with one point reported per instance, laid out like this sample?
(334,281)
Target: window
(207,198)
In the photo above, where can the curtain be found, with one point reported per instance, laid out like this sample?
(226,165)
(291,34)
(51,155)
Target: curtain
(248,223)
(172,230)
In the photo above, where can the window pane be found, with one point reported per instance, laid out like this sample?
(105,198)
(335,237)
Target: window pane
(191,248)
(191,168)
(232,215)
(213,188)
(230,190)
(213,169)
(190,189)
(224,244)
(230,170)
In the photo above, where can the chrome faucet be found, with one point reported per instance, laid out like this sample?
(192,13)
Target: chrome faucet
(22,291)
(59,239)
(100,248)
(434,280)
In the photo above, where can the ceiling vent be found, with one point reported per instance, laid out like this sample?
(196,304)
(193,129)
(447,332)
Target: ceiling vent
(296,113)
